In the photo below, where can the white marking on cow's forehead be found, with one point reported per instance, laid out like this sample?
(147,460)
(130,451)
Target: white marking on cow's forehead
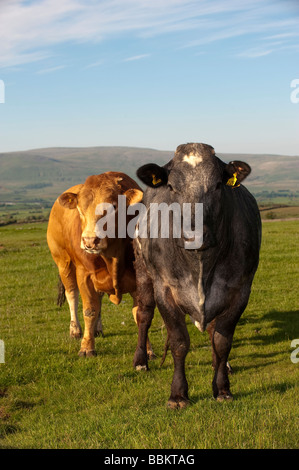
(193,160)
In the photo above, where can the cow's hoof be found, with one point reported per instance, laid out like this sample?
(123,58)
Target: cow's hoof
(75,331)
(225,397)
(87,353)
(151,355)
(177,404)
(139,367)
(75,334)
(98,333)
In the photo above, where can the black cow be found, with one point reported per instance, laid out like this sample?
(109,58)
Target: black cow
(211,282)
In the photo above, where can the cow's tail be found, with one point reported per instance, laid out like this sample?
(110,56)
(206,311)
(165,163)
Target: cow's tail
(61,293)
(166,347)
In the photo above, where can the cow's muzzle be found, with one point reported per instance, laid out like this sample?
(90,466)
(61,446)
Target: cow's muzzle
(94,245)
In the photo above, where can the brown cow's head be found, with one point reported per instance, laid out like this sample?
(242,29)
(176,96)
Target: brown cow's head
(96,193)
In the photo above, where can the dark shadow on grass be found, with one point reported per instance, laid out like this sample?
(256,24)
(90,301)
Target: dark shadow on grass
(286,324)
(6,429)
(286,328)
(280,388)
(27,405)
(3,392)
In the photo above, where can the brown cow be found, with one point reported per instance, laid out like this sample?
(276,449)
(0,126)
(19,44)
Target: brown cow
(87,263)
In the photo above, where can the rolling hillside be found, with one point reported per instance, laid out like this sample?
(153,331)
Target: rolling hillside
(45,173)
(40,175)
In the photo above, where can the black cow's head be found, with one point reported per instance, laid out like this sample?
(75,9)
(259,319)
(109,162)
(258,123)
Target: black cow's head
(194,172)
(195,175)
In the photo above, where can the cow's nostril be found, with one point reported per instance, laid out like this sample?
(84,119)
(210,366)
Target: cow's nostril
(90,242)
(97,241)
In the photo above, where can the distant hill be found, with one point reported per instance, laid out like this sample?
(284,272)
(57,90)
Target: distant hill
(43,174)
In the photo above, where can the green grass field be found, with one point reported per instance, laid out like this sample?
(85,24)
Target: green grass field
(51,398)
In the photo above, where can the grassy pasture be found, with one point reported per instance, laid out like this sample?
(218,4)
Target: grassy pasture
(51,398)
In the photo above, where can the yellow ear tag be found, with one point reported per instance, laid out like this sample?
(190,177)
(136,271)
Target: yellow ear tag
(155,181)
(232,181)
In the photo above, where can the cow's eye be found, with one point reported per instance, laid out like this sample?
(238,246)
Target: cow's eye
(170,187)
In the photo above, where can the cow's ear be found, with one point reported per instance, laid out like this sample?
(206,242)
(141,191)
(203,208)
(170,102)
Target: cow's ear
(133,196)
(68,200)
(152,175)
(235,172)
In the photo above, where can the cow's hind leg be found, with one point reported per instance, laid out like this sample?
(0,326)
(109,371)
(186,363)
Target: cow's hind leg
(210,330)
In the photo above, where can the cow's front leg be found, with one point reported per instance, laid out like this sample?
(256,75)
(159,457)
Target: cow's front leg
(145,315)
(143,312)
(67,272)
(91,310)
(150,353)
(179,344)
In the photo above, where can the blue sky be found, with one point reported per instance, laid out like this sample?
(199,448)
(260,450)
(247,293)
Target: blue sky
(150,73)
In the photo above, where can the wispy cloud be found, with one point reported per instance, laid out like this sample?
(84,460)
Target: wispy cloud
(30,29)
(283,35)
(261,51)
(136,57)
(254,53)
(51,69)
(98,63)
